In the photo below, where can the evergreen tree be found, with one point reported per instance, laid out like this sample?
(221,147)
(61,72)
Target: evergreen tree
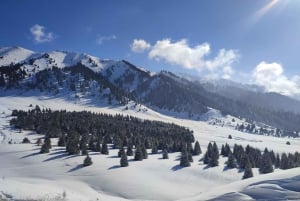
(84,149)
(104,149)
(197,149)
(26,140)
(190,157)
(129,151)
(165,154)
(266,163)
(291,163)
(223,150)
(184,160)
(154,149)
(121,152)
(231,162)
(98,146)
(214,156)
(44,149)
(61,141)
(124,160)
(206,158)
(47,141)
(144,151)
(73,143)
(248,169)
(277,161)
(284,162)
(227,150)
(138,156)
(87,161)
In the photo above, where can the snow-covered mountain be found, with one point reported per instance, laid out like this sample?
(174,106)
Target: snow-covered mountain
(79,82)
(78,75)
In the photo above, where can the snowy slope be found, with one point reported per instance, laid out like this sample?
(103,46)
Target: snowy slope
(151,179)
(14,55)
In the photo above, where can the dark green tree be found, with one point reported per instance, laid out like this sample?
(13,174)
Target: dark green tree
(104,149)
(124,160)
(266,163)
(129,151)
(165,154)
(197,149)
(62,141)
(121,152)
(138,156)
(184,160)
(248,169)
(231,162)
(87,161)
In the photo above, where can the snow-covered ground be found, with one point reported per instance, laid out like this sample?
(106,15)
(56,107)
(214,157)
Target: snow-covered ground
(26,174)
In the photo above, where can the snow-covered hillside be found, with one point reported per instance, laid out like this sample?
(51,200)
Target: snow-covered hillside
(26,174)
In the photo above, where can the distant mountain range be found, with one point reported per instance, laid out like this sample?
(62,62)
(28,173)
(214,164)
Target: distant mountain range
(82,75)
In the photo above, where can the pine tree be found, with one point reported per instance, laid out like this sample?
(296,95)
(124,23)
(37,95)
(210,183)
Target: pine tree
(284,162)
(124,160)
(223,150)
(248,169)
(197,149)
(144,151)
(98,146)
(44,149)
(154,149)
(61,141)
(121,152)
(266,163)
(138,156)
(231,162)
(214,156)
(184,160)
(206,158)
(165,154)
(104,149)
(227,150)
(87,161)
(84,149)
(129,151)
(47,141)
(277,161)
(73,144)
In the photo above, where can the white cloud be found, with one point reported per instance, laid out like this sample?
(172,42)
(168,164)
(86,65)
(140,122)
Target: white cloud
(271,76)
(101,39)
(139,45)
(40,35)
(180,53)
(227,72)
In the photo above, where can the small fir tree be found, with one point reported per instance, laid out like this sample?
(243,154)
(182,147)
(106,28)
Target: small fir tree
(87,161)
(124,160)
(184,160)
(165,154)
(231,162)
(104,149)
(138,156)
(248,169)
(197,149)
(121,152)
(129,151)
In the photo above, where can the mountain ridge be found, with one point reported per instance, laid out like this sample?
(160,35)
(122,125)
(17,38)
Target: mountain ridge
(84,75)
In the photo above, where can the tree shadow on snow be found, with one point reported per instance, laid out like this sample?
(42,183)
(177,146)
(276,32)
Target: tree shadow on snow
(177,167)
(32,154)
(76,168)
(55,157)
(113,157)
(114,167)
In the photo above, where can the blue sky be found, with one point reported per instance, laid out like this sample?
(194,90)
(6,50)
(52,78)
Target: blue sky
(245,40)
